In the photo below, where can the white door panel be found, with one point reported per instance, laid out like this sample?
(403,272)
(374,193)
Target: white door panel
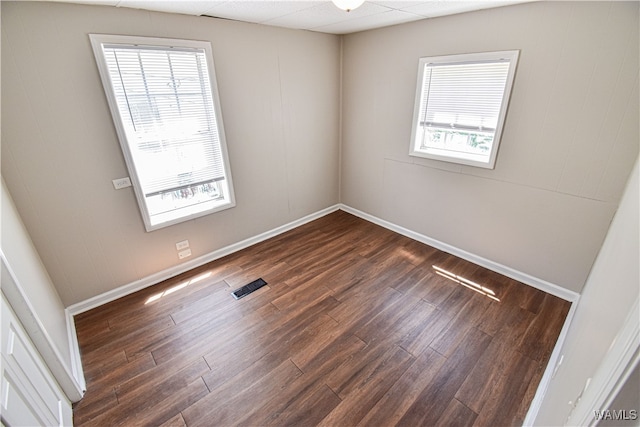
(30,394)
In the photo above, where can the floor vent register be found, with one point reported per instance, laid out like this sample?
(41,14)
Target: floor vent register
(248,288)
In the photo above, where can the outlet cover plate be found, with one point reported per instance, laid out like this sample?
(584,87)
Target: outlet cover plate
(182,245)
(121,183)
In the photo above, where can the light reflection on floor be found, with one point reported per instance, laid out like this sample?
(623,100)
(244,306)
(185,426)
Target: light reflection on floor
(466,282)
(177,287)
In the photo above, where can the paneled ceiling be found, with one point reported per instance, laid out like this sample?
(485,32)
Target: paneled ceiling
(314,15)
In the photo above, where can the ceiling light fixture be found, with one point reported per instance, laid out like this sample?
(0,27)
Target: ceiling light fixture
(348,5)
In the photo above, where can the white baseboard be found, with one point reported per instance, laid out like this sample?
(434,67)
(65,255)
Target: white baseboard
(156,278)
(525,278)
(74,349)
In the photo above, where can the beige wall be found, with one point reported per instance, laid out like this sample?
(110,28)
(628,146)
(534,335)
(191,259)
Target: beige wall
(279,91)
(33,296)
(32,276)
(570,139)
(600,314)
(569,143)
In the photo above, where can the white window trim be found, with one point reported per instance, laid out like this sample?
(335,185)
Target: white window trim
(97,41)
(465,159)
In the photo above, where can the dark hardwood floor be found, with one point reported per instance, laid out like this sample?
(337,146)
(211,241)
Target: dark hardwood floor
(358,326)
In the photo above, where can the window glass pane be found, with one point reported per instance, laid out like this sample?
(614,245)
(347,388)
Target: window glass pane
(167,113)
(460,106)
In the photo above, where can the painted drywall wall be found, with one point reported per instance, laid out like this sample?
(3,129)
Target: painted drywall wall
(609,294)
(32,295)
(569,142)
(279,93)
(32,275)
(628,399)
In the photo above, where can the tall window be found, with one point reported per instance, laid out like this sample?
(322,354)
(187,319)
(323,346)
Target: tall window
(163,98)
(460,107)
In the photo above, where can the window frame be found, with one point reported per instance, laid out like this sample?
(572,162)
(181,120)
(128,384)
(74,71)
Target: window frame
(472,58)
(97,42)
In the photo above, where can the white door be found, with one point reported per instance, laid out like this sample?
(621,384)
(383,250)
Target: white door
(30,394)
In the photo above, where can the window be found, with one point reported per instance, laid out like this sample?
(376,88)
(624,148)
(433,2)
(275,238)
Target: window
(164,101)
(461,103)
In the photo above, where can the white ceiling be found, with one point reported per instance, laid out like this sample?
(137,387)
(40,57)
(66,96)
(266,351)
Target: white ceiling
(315,15)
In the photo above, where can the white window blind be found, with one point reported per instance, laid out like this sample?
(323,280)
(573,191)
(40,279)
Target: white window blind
(165,109)
(460,106)
(464,96)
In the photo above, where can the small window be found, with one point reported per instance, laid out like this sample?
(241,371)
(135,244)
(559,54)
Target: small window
(461,103)
(164,101)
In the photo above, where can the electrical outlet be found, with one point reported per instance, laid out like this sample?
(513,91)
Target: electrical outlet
(121,183)
(182,245)
(184,254)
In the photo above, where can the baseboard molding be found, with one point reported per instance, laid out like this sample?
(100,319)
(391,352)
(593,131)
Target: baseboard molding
(74,349)
(155,278)
(525,278)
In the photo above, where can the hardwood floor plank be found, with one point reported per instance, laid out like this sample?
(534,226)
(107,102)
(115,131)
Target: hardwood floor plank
(392,322)
(433,400)
(125,372)
(225,367)
(419,339)
(87,331)
(398,399)
(360,305)
(96,400)
(319,359)
(485,376)
(200,303)
(537,342)
(366,387)
(169,377)
(305,409)
(298,394)
(457,415)
(147,331)
(507,393)
(132,404)
(469,316)
(186,341)
(225,406)
(175,421)
(101,363)
(358,325)
(163,411)
(499,319)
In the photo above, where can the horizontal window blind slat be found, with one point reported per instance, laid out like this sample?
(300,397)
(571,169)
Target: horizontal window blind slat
(183,187)
(447,126)
(463,95)
(165,103)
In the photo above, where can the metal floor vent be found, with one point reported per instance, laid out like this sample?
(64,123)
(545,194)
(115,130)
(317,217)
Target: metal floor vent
(248,288)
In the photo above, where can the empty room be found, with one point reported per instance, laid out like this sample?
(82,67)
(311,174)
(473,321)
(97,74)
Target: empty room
(332,213)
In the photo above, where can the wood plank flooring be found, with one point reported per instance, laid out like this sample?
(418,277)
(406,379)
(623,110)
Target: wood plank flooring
(358,326)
